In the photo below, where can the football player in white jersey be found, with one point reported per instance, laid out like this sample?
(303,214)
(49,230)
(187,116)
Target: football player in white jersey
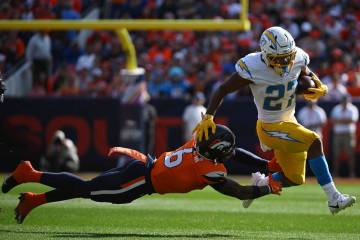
(272,76)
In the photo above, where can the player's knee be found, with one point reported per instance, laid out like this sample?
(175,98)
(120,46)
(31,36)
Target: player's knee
(315,149)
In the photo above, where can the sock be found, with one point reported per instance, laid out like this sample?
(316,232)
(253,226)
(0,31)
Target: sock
(320,169)
(331,191)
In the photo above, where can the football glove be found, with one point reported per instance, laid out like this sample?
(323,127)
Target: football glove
(203,127)
(275,186)
(320,90)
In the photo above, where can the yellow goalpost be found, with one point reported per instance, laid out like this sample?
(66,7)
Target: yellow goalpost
(121,27)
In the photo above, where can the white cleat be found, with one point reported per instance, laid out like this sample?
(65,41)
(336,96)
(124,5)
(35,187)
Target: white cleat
(257,179)
(343,201)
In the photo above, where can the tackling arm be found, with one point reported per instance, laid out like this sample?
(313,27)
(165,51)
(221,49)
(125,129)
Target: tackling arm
(231,188)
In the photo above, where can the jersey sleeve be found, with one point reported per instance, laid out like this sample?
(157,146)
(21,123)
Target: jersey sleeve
(243,69)
(304,56)
(213,173)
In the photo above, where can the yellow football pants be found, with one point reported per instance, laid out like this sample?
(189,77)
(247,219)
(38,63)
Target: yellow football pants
(290,142)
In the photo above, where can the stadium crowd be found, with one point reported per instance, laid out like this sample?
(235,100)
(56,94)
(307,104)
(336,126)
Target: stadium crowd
(179,63)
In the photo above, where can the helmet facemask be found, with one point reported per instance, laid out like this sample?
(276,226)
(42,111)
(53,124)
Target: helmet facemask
(281,63)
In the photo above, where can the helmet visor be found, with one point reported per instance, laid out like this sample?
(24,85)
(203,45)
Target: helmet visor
(281,60)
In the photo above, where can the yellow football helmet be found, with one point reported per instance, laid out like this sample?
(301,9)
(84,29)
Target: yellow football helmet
(278,49)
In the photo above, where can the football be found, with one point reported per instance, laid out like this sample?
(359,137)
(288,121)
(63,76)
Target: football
(304,83)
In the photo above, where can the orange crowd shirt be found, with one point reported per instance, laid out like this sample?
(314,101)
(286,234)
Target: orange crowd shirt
(183,170)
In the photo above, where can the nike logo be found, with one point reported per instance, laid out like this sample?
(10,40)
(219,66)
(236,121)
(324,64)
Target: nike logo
(336,206)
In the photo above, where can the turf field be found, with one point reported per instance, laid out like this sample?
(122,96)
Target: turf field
(300,213)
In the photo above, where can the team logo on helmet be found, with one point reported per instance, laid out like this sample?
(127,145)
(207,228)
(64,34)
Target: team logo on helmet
(272,39)
(220,145)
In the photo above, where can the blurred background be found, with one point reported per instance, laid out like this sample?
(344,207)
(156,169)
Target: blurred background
(74,81)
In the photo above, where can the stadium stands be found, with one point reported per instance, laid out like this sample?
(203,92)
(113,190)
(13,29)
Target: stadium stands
(327,30)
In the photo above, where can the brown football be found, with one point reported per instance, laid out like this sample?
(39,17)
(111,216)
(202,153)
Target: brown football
(304,83)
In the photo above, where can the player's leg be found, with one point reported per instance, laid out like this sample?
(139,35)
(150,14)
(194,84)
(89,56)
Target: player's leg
(25,173)
(294,138)
(120,185)
(290,142)
(320,168)
(254,162)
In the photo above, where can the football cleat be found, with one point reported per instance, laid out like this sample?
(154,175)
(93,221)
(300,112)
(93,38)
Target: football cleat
(343,201)
(257,179)
(23,172)
(26,204)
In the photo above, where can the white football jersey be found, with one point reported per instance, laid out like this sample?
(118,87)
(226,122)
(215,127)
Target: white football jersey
(274,95)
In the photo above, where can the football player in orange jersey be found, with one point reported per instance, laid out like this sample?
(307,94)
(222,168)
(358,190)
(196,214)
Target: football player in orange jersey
(192,166)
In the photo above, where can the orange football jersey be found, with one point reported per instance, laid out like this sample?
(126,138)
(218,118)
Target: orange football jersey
(183,170)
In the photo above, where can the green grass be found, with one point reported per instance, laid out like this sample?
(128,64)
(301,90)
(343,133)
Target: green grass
(300,213)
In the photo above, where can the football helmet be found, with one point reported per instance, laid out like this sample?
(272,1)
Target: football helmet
(278,49)
(219,146)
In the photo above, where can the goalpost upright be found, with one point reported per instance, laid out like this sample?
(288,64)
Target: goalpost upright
(121,27)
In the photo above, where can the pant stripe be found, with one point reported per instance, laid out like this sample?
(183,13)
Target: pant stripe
(112,192)
(125,185)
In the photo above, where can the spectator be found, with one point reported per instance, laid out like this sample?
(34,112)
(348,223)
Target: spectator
(336,90)
(61,155)
(312,117)
(344,117)
(328,32)
(192,115)
(38,52)
(178,84)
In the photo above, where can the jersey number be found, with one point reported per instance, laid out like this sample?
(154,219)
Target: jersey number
(176,158)
(270,102)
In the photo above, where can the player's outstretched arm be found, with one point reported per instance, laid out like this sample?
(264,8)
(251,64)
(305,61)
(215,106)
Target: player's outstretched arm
(232,84)
(232,188)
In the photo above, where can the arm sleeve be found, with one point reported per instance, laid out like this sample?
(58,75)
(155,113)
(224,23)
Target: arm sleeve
(305,56)
(243,70)
(232,188)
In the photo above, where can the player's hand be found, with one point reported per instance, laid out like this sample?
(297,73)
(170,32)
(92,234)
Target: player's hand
(320,90)
(203,127)
(275,186)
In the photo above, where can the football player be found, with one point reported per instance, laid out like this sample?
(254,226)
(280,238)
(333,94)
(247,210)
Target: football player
(272,77)
(2,90)
(192,166)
